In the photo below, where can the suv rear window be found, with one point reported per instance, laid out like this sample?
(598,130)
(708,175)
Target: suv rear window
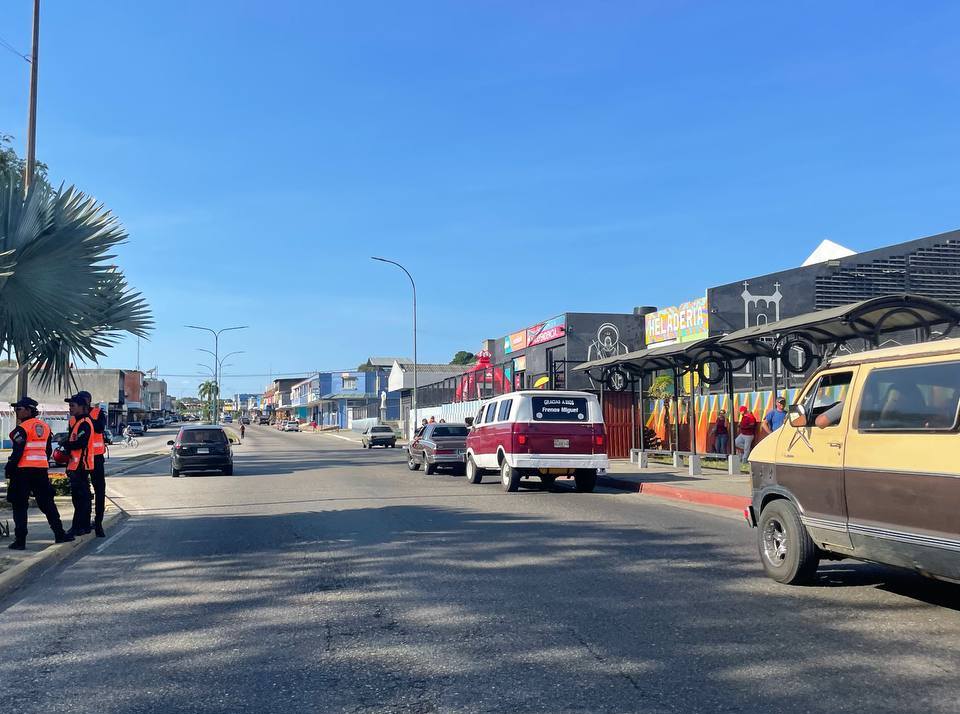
(382,430)
(445,430)
(560,409)
(203,436)
(916,398)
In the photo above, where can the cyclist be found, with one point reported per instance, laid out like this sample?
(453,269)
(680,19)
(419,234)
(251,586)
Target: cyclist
(127,435)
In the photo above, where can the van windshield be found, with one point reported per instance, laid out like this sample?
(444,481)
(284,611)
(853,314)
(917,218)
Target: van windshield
(560,409)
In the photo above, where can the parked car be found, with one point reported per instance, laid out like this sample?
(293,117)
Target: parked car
(378,435)
(227,419)
(136,428)
(156,423)
(867,466)
(291,426)
(263,421)
(438,445)
(538,433)
(201,448)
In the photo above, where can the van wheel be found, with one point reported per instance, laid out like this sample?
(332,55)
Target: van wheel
(788,553)
(175,472)
(412,464)
(586,480)
(474,475)
(509,477)
(429,469)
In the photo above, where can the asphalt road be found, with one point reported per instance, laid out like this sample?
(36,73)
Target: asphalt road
(321,577)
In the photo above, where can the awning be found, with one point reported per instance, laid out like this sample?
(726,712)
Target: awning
(357,396)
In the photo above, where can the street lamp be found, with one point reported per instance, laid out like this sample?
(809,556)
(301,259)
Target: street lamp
(216,347)
(414,285)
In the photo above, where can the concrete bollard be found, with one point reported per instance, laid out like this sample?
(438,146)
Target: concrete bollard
(694,468)
(643,459)
(733,465)
(677,460)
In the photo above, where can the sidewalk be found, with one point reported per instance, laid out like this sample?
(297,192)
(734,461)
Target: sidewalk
(718,489)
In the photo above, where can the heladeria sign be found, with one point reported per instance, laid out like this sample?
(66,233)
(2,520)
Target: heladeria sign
(686,322)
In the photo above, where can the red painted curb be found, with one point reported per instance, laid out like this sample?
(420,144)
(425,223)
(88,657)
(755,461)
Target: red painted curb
(706,498)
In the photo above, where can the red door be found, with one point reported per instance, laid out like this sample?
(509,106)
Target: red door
(617,412)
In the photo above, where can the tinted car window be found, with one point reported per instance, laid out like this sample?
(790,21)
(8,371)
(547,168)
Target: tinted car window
(444,430)
(560,409)
(505,407)
(382,430)
(203,436)
(922,397)
(491,413)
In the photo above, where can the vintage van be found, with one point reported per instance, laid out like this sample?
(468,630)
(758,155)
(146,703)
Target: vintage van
(538,433)
(867,466)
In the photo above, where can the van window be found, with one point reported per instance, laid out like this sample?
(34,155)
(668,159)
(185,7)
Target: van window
(916,398)
(505,406)
(560,409)
(828,398)
(491,413)
(479,418)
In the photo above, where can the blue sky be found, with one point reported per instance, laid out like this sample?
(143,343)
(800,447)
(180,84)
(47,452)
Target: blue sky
(522,158)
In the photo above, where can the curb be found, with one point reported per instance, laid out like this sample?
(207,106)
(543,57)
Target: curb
(688,495)
(11,579)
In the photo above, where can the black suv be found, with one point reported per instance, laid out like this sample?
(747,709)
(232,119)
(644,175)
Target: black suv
(201,447)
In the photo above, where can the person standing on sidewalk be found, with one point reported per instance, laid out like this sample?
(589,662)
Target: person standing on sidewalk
(721,434)
(775,417)
(27,470)
(748,431)
(98,476)
(79,464)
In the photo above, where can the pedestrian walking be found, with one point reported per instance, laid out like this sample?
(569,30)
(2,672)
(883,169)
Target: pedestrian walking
(27,470)
(98,476)
(721,434)
(243,431)
(775,417)
(748,431)
(79,464)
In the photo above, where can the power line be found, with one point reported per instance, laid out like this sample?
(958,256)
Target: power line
(7,46)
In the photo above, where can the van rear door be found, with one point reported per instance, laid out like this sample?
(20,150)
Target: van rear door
(558,425)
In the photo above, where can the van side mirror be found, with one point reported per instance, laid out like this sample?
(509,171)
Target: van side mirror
(798,415)
(468,421)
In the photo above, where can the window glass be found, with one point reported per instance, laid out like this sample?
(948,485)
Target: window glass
(444,430)
(505,407)
(479,418)
(491,413)
(203,436)
(922,397)
(560,409)
(829,396)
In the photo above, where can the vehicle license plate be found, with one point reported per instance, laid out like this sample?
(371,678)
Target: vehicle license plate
(561,443)
(203,451)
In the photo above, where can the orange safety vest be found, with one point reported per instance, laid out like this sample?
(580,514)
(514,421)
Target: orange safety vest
(97,443)
(81,455)
(35,452)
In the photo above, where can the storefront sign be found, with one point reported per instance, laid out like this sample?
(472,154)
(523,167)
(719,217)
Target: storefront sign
(516,341)
(546,331)
(520,363)
(684,323)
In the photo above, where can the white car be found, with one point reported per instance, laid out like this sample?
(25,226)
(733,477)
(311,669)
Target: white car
(291,426)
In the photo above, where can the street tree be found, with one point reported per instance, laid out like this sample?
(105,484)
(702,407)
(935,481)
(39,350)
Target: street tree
(463,357)
(61,297)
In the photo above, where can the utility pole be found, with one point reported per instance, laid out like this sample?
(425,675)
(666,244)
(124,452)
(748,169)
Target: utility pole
(23,373)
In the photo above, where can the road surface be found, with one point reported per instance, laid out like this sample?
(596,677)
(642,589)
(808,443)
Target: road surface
(323,577)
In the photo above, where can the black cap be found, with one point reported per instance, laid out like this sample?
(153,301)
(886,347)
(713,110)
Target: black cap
(87,396)
(76,399)
(25,402)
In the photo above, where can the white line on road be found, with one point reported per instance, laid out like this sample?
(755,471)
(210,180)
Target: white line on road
(109,541)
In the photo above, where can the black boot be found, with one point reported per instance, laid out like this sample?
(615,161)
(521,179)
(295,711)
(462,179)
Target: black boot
(18,544)
(63,537)
(98,529)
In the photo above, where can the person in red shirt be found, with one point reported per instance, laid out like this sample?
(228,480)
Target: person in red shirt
(747,431)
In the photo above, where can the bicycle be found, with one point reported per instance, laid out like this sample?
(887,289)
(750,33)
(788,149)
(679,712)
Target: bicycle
(129,443)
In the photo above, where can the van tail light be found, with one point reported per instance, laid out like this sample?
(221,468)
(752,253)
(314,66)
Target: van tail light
(599,440)
(522,439)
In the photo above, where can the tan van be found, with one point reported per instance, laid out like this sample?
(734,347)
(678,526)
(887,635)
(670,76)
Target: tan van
(867,466)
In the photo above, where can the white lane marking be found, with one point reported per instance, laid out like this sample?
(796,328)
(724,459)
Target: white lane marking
(109,541)
(344,438)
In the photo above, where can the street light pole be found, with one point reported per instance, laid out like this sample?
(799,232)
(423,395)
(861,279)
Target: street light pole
(414,285)
(31,164)
(216,352)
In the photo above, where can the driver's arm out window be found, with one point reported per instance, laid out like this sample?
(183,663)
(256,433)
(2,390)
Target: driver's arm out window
(829,398)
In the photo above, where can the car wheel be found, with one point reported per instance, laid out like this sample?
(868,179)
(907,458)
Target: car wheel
(788,553)
(429,469)
(509,477)
(175,472)
(586,480)
(474,475)
(412,463)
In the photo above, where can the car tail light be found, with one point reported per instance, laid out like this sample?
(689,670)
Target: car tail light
(444,451)
(522,439)
(599,440)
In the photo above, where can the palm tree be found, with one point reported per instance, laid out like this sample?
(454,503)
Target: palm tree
(209,393)
(61,299)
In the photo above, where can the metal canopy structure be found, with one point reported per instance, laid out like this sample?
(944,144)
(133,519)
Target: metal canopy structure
(798,343)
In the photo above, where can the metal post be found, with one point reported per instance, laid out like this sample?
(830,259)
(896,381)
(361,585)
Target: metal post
(676,411)
(414,285)
(31,164)
(693,417)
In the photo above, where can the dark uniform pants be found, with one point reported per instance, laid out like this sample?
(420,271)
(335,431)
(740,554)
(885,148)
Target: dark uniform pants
(35,482)
(99,483)
(80,495)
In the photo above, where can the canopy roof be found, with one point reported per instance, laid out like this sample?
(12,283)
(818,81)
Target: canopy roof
(866,320)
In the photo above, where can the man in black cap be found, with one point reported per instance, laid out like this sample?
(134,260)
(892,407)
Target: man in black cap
(97,477)
(27,470)
(79,464)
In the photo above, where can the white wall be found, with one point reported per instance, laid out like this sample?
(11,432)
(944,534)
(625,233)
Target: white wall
(457,411)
